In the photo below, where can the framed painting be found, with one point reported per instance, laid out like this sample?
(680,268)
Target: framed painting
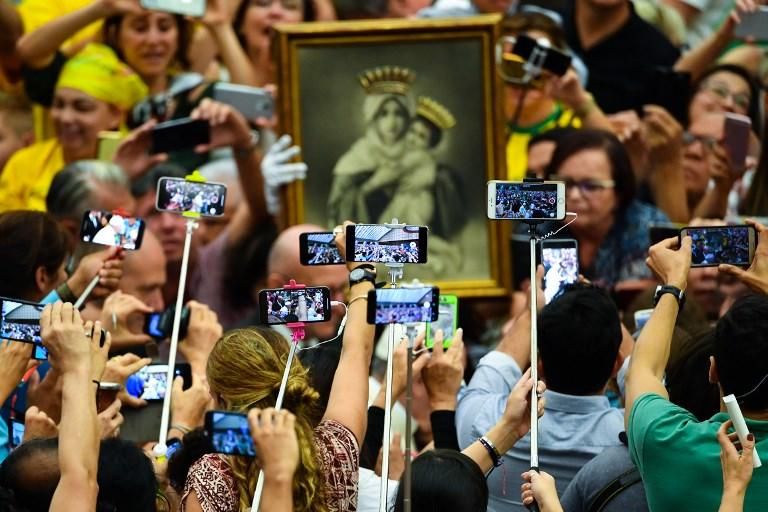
(397,119)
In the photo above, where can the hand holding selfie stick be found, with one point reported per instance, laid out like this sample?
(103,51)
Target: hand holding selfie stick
(395,272)
(160,447)
(740,426)
(297,335)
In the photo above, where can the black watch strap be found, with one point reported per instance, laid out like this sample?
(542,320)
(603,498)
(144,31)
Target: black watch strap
(672,290)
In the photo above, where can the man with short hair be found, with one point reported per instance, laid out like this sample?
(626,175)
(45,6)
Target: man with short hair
(579,336)
(675,452)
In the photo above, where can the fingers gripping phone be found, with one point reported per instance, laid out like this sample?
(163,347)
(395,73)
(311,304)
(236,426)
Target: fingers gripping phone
(716,245)
(403,305)
(447,320)
(379,243)
(112,229)
(560,258)
(177,195)
(291,305)
(229,433)
(319,249)
(526,201)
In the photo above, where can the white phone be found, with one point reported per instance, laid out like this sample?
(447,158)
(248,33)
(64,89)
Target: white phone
(195,8)
(520,200)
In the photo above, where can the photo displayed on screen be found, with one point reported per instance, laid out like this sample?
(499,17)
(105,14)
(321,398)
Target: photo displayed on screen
(561,267)
(382,244)
(17,433)
(149,383)
(20,322)
(519,201)
(322,250)
(712,246)
(444,321)
(404,305)
(300,305)
(230,434)
(108,228)
(189,196)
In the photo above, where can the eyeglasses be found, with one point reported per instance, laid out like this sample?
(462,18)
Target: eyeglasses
(708,142)
(721,90)
(587,186)
(291,5)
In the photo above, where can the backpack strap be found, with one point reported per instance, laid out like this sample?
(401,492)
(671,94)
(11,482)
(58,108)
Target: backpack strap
(613,488)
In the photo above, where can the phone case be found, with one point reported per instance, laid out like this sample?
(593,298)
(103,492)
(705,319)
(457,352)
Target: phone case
(180,134)
(194,8)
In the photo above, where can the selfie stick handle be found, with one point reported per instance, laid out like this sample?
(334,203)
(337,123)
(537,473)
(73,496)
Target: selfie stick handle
(740,426)
(166,416)
(297,335)
(88,289)
(534,288)
(407,487)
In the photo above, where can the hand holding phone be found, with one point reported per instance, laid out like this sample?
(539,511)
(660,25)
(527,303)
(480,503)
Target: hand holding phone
(150,383)
(447,321)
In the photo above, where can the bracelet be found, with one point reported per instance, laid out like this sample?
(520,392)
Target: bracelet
(65,293)
(492,451)
(181,428)
(359,297)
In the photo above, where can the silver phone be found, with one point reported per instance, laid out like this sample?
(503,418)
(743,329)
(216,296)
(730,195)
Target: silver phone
(252,102)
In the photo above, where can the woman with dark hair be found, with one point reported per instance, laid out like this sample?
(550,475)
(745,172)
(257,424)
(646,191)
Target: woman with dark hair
(611,224)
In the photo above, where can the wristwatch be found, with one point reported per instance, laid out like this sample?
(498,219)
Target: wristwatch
(672,290)
(364,272)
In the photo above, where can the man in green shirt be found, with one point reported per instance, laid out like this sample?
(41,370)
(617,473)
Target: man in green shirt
(677,455)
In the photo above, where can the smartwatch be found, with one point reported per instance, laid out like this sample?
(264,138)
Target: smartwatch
(365,272)
(672,290)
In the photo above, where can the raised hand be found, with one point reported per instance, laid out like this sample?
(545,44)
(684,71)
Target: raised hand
(756,276)
(444,372)
(671,265)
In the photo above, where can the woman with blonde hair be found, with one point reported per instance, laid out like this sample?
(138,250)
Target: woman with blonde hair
(244,371)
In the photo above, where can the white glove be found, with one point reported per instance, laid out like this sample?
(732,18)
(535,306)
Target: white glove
(278,172)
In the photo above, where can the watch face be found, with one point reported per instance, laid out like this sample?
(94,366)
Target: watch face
(356,274)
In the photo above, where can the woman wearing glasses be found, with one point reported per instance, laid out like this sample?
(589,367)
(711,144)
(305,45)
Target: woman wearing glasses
(611,224)
(726,88)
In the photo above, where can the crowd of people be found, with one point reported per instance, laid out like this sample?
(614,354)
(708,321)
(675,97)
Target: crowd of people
(630,418)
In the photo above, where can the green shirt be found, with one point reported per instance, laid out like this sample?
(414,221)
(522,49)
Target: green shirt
(679,457)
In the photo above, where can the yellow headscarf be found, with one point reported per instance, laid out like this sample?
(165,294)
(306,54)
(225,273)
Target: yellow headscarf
(98,72)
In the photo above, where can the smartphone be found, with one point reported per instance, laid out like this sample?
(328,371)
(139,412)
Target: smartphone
(150,383)
(106,394)
(40,353)
(660,232)
(107,228)
(195,8)
(252,102)
(319,249)
(403,305)
(560,258)
(753,25)
(20,320)
(160,325)
(712,246)
(378,243)
(178,195)
(528,201)
(550,59)
(229,433)
(291,305)
(108,144)
(447,320)
(178,134)
(17,432)
(736,132)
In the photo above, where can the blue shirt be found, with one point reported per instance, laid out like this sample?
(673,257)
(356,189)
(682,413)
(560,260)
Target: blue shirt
(572,431)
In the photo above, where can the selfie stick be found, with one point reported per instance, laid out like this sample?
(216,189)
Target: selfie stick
(88,289)
(161,448)
(411,334)
(740,426)
(297,335)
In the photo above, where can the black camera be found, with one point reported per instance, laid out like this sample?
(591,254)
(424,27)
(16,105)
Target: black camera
(160,325)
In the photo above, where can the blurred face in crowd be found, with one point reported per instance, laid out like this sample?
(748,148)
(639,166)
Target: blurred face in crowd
(391,121)
(721,92)
(144,273)
(77,120)
(149,42)
(491,6)
(262,15)
(539,156)
(701,138)
(585,174)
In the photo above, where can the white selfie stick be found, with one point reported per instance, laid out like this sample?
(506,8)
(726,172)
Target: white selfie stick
(734,411)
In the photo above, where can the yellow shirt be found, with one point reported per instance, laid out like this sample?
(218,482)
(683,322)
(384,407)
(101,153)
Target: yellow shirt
(36,13)
(27,176)
(517,143)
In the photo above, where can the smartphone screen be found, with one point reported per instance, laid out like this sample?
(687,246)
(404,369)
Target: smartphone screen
(291,305)
(180,134)
(17,432)
(112,229)
(519,200)
(378,243)
(150,383)
(229,433)
(561,265)
(178,195)
(20,321)
(712,246)
(447,320)
(319,249)
(403,305)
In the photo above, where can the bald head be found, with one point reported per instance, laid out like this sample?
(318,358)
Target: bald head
(144,272)
(284,255)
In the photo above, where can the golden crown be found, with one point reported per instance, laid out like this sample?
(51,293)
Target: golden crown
(387,80)
(435,112)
